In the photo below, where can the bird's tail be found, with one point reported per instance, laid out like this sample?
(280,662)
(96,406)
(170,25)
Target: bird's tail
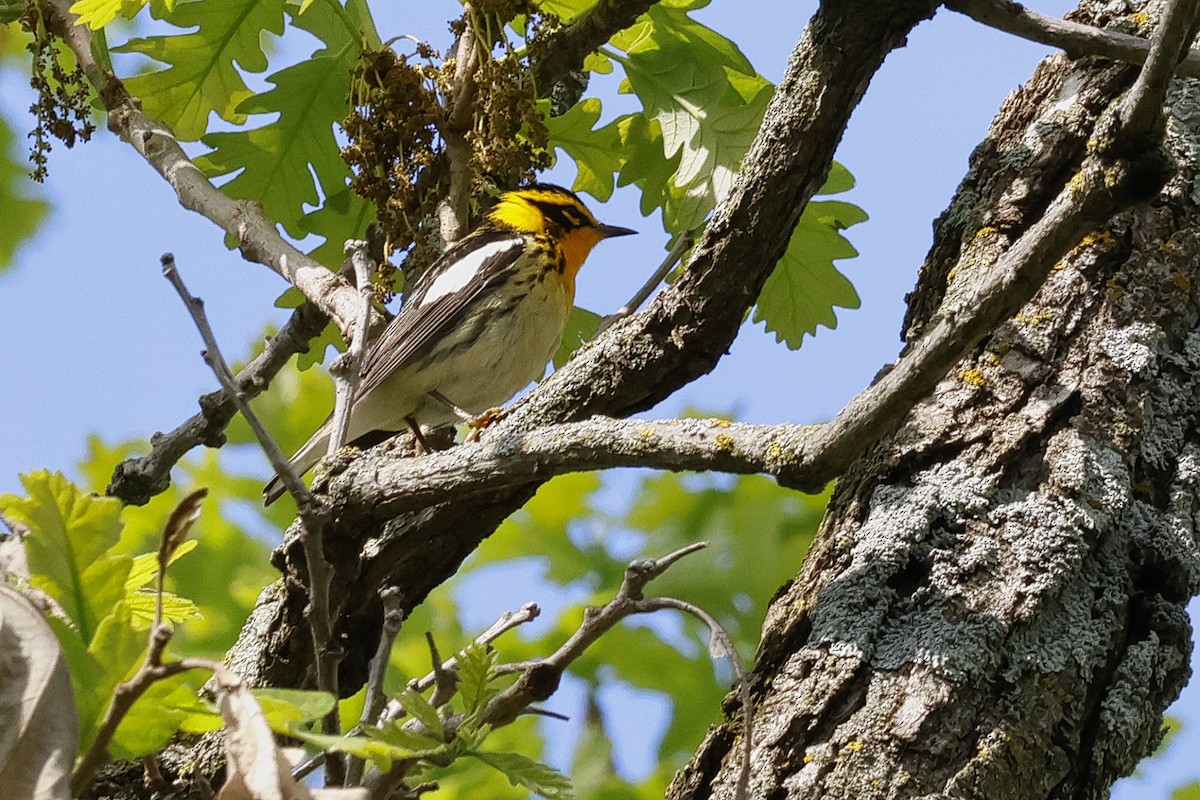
(304,460)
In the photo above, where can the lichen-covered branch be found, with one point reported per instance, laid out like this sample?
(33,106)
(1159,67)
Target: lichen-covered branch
(514,459)
(1076,39)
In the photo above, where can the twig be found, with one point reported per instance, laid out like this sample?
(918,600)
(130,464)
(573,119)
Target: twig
(393,618)
(136,480)
(313,515)
(460,111)
(346,368)
(538,679)
(216,362)
(720,646)
(374,701)
(682,244)
(393,711)
(507,621)
(152,669)
(346,371)
(1074,38)
(445,679)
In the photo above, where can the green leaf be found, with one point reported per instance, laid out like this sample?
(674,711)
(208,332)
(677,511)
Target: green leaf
(597,153)
(523,771)
(176,609)
(286,708)
(154,719)
(275,160)
(98,13)
(344,215)
(145,567)
(804,288)
(410,742)
(646,165)
(476,681)
(708,103)
(11,10)
(420,709)
(69,555)
(839,180)
(22,213)
(1189,791)
(566,10)
(377,752)
(201,76)
(276,163)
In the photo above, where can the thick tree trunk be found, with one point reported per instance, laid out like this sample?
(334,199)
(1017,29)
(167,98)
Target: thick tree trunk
(995,606)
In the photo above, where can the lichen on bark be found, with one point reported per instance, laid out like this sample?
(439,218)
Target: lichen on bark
(995,606)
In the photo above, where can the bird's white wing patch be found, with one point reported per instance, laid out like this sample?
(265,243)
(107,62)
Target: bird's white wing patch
(459,275)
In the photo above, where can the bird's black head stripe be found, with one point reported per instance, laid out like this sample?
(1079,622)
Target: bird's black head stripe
(564,216)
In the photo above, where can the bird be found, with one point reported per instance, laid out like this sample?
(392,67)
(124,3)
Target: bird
(477,327)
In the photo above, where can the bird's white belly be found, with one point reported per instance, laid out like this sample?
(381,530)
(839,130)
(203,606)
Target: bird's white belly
(519,344)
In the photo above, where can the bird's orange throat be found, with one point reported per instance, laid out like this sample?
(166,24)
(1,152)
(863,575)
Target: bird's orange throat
(575,248)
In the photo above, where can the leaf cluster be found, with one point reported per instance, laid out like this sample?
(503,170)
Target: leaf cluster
(702,103)
(102,608)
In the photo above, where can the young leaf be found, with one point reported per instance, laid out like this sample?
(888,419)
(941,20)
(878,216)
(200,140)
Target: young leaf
(420,709)
(145,567)
(380,753)
(411,742)
(98,13)
(143,605)
(69,549)
(286,708)
(535,776)
(476,683)
(153,720)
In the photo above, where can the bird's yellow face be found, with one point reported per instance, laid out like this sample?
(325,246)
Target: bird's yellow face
(559,214)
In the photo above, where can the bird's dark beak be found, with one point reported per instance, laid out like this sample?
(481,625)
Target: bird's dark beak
(607,231)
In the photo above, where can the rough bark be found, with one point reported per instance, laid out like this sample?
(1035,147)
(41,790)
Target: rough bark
(995,605)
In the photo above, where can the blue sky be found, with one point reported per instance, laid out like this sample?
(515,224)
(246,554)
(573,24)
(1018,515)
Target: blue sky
(95,341)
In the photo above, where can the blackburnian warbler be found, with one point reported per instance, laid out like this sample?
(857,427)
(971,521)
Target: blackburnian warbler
(479,326)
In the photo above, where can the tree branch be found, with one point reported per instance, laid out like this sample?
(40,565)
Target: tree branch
(136,480)
(1126,166)
(257,236)
(1074,38)
(567,48)
(539,679)
(460,113)
(516,458)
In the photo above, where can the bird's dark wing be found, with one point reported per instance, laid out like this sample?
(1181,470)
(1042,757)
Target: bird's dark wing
(438,301)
